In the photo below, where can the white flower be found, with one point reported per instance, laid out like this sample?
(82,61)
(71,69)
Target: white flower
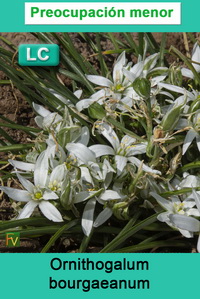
(190,95)
(123,151)
(141,70)
(39,193)
(120,83)
(193,133)
(119,92)
(22,165)
(52,120)
(64,100)
(114,94)
(195,58)
(101,196)
(102,172)
(188,181)
(46,120)
(175,206)
(191,224)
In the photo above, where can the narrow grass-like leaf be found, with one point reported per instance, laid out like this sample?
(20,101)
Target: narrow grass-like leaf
(88,40)
(70,75)
(117,241)
(86,65)
(3,143)
(118,125)
(3,163)
(152,44)
(5,53)
(68,62)
(113,40)
(104,68)
(85,242)
(16,147)
(189,166)
(59,233)
(52,229)
(8,43)
(117,40)
(131,42)
(153,238)
(179,192)
(192,38)
(187,62)
(32,221)
(7,119)
(119,51)
(67,44)
(22,128)
(141,43)
(162,49)
(6,136)
(5,82)
(156,244)
(131,222)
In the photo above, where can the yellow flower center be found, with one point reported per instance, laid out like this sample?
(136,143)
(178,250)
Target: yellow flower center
(38,195)
(179,208)
(54,186)
(119,87)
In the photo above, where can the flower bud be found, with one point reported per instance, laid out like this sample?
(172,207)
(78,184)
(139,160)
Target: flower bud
(143,87)
(66,196)
(175,76)
(172,116)
(121,211)
(195,105)
(96,111)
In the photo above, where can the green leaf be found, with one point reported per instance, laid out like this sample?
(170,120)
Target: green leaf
(16,147)
(162,49)
(187,63)
(129,38)
(6,136)
(59,233)
(179,192)
(118,240)
(104,68)
(121,127)
(85,242)
(32,221)
(96,111)
(189,166)
(28,130)
(156,244)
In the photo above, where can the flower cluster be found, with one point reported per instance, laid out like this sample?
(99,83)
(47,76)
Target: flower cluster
(139,131)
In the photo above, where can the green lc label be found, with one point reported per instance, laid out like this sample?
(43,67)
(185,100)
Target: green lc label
(38,55)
